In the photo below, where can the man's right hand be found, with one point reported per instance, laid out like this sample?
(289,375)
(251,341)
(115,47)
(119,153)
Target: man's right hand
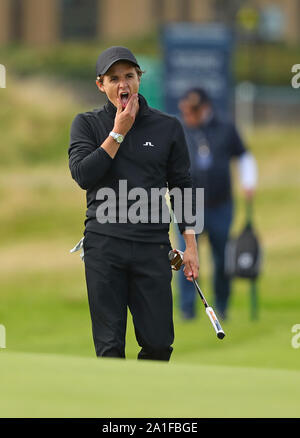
(249,194)
(125,118)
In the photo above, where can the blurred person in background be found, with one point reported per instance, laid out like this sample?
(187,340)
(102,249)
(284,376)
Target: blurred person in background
(126,263)
(213,143)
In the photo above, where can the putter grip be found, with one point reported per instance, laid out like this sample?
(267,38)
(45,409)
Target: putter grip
(215,322)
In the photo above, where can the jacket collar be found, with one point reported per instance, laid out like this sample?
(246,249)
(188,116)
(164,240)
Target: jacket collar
(143,109)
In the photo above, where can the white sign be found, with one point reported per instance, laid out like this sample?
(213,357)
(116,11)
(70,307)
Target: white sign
(296,337)
(296,78)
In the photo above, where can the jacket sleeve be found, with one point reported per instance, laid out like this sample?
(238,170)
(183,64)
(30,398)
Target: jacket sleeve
(179,176)
(237,145)
(87,161)
(247,170)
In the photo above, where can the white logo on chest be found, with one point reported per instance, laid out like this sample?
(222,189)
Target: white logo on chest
(148,143)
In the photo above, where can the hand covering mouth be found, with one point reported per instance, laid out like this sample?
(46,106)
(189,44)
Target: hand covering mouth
(124,96)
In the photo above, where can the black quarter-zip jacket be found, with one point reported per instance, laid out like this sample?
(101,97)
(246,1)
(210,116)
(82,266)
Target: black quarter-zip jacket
(154,154)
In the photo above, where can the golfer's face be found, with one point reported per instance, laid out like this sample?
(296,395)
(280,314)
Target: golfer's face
(121,81)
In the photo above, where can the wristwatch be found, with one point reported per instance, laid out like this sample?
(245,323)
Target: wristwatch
(117,137)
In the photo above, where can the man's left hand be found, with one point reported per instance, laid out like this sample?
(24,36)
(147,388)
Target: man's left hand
(191,263)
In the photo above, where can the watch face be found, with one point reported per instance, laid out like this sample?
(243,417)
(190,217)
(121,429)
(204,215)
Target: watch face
(119,138)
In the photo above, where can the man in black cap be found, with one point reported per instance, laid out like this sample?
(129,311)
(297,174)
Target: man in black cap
(213,143)
(117,153)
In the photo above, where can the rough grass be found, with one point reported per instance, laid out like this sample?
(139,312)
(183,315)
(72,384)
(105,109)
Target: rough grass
(35,117)
(257,63)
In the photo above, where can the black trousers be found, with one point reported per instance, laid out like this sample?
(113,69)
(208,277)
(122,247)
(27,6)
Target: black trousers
(123,274)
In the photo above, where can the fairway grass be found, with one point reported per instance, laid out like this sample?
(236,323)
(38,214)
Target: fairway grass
(57,386)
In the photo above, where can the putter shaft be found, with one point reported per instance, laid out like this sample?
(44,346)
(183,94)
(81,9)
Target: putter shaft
(176,259)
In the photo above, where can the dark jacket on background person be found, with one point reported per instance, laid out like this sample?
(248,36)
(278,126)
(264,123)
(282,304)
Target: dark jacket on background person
(211,148)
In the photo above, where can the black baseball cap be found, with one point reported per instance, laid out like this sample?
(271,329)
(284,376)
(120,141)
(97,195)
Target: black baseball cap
(111,55)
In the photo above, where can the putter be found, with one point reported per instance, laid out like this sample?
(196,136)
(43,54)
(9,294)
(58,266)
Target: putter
(176,259)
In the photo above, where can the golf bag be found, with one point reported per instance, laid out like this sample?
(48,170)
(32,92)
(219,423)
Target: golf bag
(243,253)
(243,259)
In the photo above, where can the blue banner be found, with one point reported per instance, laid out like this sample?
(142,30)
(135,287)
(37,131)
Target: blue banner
(197,55)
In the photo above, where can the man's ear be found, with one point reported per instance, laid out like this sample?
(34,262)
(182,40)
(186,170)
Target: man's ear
(100,85)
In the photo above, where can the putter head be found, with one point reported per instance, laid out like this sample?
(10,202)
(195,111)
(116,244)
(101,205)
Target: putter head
(176,259)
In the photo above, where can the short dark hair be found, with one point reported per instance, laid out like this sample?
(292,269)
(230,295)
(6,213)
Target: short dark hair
(196,97)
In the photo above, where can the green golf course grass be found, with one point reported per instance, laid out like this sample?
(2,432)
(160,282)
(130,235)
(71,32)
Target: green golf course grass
(49,367)
(37,385)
